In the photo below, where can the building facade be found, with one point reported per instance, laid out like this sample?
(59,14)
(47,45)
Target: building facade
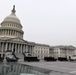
(41,50)
(11,36)
(62,51)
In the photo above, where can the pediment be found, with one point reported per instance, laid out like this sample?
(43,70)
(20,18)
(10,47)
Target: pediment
(17,40)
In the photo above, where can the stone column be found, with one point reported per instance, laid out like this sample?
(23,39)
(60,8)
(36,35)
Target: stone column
(29,48)
(21,48)
(33,51)
(26,48)
(7,32)
(0,47)
(18,48)
(15,48)
(6,46)
(9,46)
(15,33)
(12,46)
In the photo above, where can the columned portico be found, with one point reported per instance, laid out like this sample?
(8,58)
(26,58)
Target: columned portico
(17,47)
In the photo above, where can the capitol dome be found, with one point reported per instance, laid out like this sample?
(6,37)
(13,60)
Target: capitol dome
(11,26)
(12,17)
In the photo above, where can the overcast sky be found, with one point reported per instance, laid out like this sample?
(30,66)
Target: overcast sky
(50,22)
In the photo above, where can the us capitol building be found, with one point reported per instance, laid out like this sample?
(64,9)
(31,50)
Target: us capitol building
(11,35)
(11,38)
